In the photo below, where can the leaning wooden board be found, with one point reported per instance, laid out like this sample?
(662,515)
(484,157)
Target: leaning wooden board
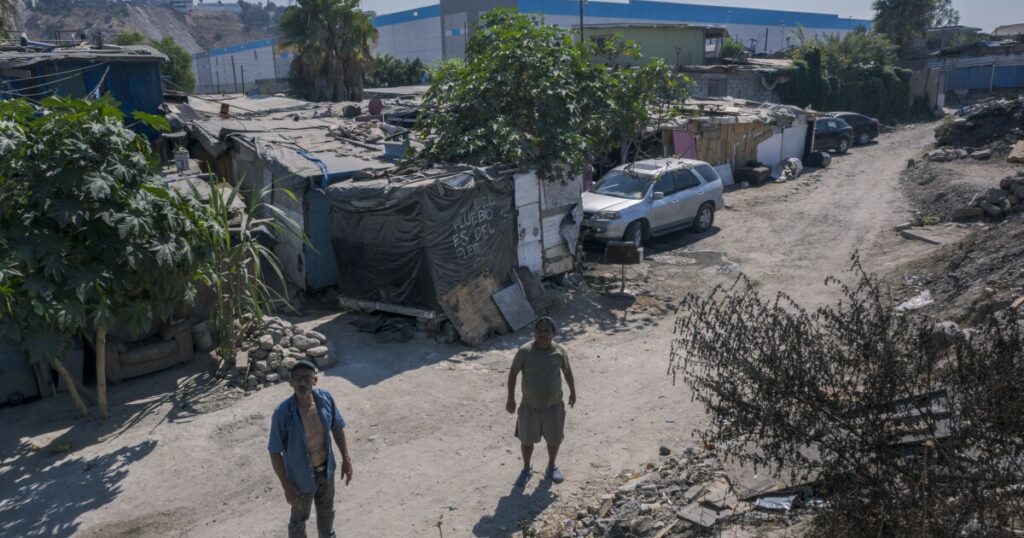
(470,308)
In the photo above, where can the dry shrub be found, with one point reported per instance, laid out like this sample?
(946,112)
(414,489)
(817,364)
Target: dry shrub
(908,428)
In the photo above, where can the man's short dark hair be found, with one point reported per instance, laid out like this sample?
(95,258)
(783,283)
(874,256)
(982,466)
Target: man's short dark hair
(545,319)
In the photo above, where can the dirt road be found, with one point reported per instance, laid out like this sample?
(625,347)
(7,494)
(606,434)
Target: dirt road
(432,444)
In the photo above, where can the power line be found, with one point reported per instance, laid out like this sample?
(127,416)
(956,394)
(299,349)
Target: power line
(49,83)
(58,73)
(96,90)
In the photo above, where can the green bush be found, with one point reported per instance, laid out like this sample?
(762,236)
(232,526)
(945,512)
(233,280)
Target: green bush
(856,78)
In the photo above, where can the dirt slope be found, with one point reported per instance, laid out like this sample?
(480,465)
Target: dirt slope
(431,441)
(197,31)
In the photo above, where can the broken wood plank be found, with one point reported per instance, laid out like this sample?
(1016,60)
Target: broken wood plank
(470,308)
(666,530)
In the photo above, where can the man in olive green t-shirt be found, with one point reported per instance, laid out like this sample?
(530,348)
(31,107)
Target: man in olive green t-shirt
(542,412)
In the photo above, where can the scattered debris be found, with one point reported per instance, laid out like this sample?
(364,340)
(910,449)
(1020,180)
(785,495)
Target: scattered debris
(982,123)
(919,301)
(688,495)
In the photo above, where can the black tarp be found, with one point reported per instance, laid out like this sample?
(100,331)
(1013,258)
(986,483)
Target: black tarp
(408,241)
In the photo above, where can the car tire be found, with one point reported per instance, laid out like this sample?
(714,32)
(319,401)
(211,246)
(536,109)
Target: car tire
(704,219)
(634,233)
(864,138)
(844,146)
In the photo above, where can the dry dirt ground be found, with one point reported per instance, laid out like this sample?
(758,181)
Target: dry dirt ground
(432,444)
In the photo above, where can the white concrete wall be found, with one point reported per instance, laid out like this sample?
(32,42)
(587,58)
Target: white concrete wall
(414,39)
(258,63)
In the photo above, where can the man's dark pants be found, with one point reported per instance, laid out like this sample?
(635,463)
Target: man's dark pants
(323,497)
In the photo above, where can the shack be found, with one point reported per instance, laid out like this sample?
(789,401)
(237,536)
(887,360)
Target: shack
(306,148)
(748,79)
(36,70)
(729,133)
(298,147)
(410,236)
(985,66)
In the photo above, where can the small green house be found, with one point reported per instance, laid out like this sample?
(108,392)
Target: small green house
(677,44)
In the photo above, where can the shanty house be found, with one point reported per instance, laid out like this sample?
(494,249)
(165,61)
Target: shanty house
(730,133)
(984,66)
(677,44)
(38,70)
(294,151)
(412,237)
(754,79)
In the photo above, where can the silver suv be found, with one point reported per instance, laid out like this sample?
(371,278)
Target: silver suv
(654,197)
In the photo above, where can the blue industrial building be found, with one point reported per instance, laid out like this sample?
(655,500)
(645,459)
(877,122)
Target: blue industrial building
(441,30)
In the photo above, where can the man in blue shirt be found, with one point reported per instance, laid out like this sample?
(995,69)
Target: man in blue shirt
(300,451)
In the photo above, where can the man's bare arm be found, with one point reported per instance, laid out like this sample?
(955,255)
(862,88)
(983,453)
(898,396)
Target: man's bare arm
(346,461)
(510,406)
(569,380)
(291,493)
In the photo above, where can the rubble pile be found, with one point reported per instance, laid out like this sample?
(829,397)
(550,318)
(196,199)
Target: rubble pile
(688,495)
(369,132)
(268,353)
(996,202)
(942,155)
(988,121)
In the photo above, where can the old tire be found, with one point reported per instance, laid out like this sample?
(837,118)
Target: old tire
(819,159)
(704,219)
(844,146)
(863,138)
(634,233)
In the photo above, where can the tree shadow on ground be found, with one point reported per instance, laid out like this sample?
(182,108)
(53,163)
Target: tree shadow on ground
(45,486)
(49,497)
(515,511)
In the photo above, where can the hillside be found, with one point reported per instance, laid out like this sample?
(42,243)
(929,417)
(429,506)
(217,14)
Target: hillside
(196,32)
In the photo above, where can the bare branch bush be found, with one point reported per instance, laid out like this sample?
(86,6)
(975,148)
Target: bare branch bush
(908,427)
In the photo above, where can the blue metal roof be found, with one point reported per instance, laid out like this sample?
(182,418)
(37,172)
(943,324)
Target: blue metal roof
(409,15)
(241,47)
(664,11)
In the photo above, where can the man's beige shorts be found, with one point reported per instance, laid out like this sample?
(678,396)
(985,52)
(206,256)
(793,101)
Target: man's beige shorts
(532,424)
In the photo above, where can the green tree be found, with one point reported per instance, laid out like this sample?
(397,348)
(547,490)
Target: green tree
(179,64)
(903,20)
(7,15)
(732,48)
(332,40)
(130,38)
(857,48)
(799,34)
(528,94)
(89,236)
(945,14)
(388,72)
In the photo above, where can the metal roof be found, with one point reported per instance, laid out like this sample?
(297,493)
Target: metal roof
(13,57)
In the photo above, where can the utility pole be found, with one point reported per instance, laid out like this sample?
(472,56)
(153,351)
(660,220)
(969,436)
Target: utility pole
(234,74)
(243,79)
(581,19)
(766,41)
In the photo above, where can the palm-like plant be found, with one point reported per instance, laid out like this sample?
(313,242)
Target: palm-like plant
(237,262)
(332,40)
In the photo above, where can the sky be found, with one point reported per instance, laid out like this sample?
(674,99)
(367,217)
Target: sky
(984,14)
